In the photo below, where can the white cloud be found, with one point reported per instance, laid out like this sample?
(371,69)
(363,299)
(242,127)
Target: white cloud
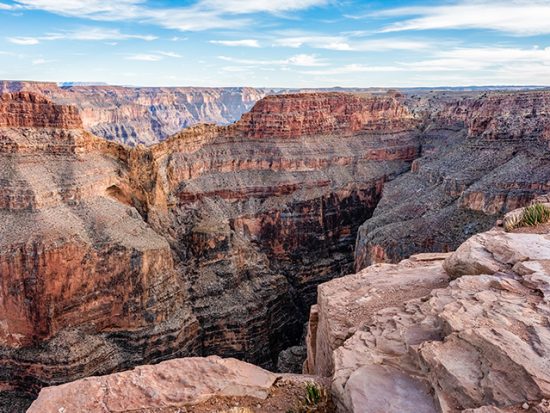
(517,17)
(145,57)
(202,15)
(170,54)
(153,57)
(40,61)
(354,68)
(84,34)
(237,43)
(349,43)
(297,60)
(237,69)
(260,6)
(23,41)
(482,58)
(317,41)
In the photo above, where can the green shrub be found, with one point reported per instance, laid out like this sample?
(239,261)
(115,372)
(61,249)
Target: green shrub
(534,215)
(314,394)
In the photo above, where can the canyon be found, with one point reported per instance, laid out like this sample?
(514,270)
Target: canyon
(214,241)
(141,115)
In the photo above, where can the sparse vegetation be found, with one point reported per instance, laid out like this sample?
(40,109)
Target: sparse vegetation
(314,394)
(316,400)
(531,216)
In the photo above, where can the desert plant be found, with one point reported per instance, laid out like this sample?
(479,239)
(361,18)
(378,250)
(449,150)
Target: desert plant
(530,216)
(314,394)
(534,215)
(512,221)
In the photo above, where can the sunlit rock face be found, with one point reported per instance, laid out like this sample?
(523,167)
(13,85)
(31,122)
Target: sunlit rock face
(86,286)
(133,115)
(211,242)
(457,332)
(215,240)
(258,218)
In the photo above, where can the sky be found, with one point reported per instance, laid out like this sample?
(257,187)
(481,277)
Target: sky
(277,43)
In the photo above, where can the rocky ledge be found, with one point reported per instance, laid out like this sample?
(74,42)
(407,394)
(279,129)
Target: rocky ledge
(466,332)
(199,385)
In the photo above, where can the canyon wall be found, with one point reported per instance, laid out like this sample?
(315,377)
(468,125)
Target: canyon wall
(145,115)
(481,156)
(212,242)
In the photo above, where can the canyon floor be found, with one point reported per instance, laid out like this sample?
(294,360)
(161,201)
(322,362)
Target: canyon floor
(227,240)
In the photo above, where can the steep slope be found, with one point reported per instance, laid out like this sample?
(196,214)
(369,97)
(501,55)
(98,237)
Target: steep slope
(481,156)
(86,287)
(461,332)
(133,115)
(260,212)
(211,242)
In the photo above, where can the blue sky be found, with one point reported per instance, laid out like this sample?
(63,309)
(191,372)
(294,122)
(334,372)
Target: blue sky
(277,43)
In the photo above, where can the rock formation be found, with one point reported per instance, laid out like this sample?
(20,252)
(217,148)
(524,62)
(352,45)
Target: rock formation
(479,344)
(86,286)
(145,115)
(212,242)
(481,157)
(190,384)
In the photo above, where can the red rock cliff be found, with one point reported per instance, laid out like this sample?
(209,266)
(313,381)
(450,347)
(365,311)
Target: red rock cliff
(305,114)
(27,110)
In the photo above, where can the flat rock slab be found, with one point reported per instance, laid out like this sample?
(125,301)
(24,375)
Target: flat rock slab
(173,383)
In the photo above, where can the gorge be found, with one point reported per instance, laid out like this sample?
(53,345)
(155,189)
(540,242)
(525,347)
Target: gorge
(213,241)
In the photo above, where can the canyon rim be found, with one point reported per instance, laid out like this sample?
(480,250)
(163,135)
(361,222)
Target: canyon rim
(303,206)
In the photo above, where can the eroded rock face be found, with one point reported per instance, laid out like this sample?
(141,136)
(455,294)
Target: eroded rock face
(212,242)
(479,344)
(345,303)
(145,115)
(481,157)
(86,286)
(25,109)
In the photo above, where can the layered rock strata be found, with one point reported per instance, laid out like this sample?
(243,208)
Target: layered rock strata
(86,286)
(258,220)
(211,242)
(145,115)
(481,156)
(479,344)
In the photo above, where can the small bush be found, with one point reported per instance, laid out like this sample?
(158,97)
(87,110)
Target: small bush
(531,216)
(314,394)
(535,214)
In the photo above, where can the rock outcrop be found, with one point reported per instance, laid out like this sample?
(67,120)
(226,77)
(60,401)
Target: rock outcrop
(188,384)
(86,286)
(481,156)
(479,344)
(134,116)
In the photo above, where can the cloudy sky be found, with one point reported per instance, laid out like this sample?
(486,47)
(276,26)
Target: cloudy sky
(277,43)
